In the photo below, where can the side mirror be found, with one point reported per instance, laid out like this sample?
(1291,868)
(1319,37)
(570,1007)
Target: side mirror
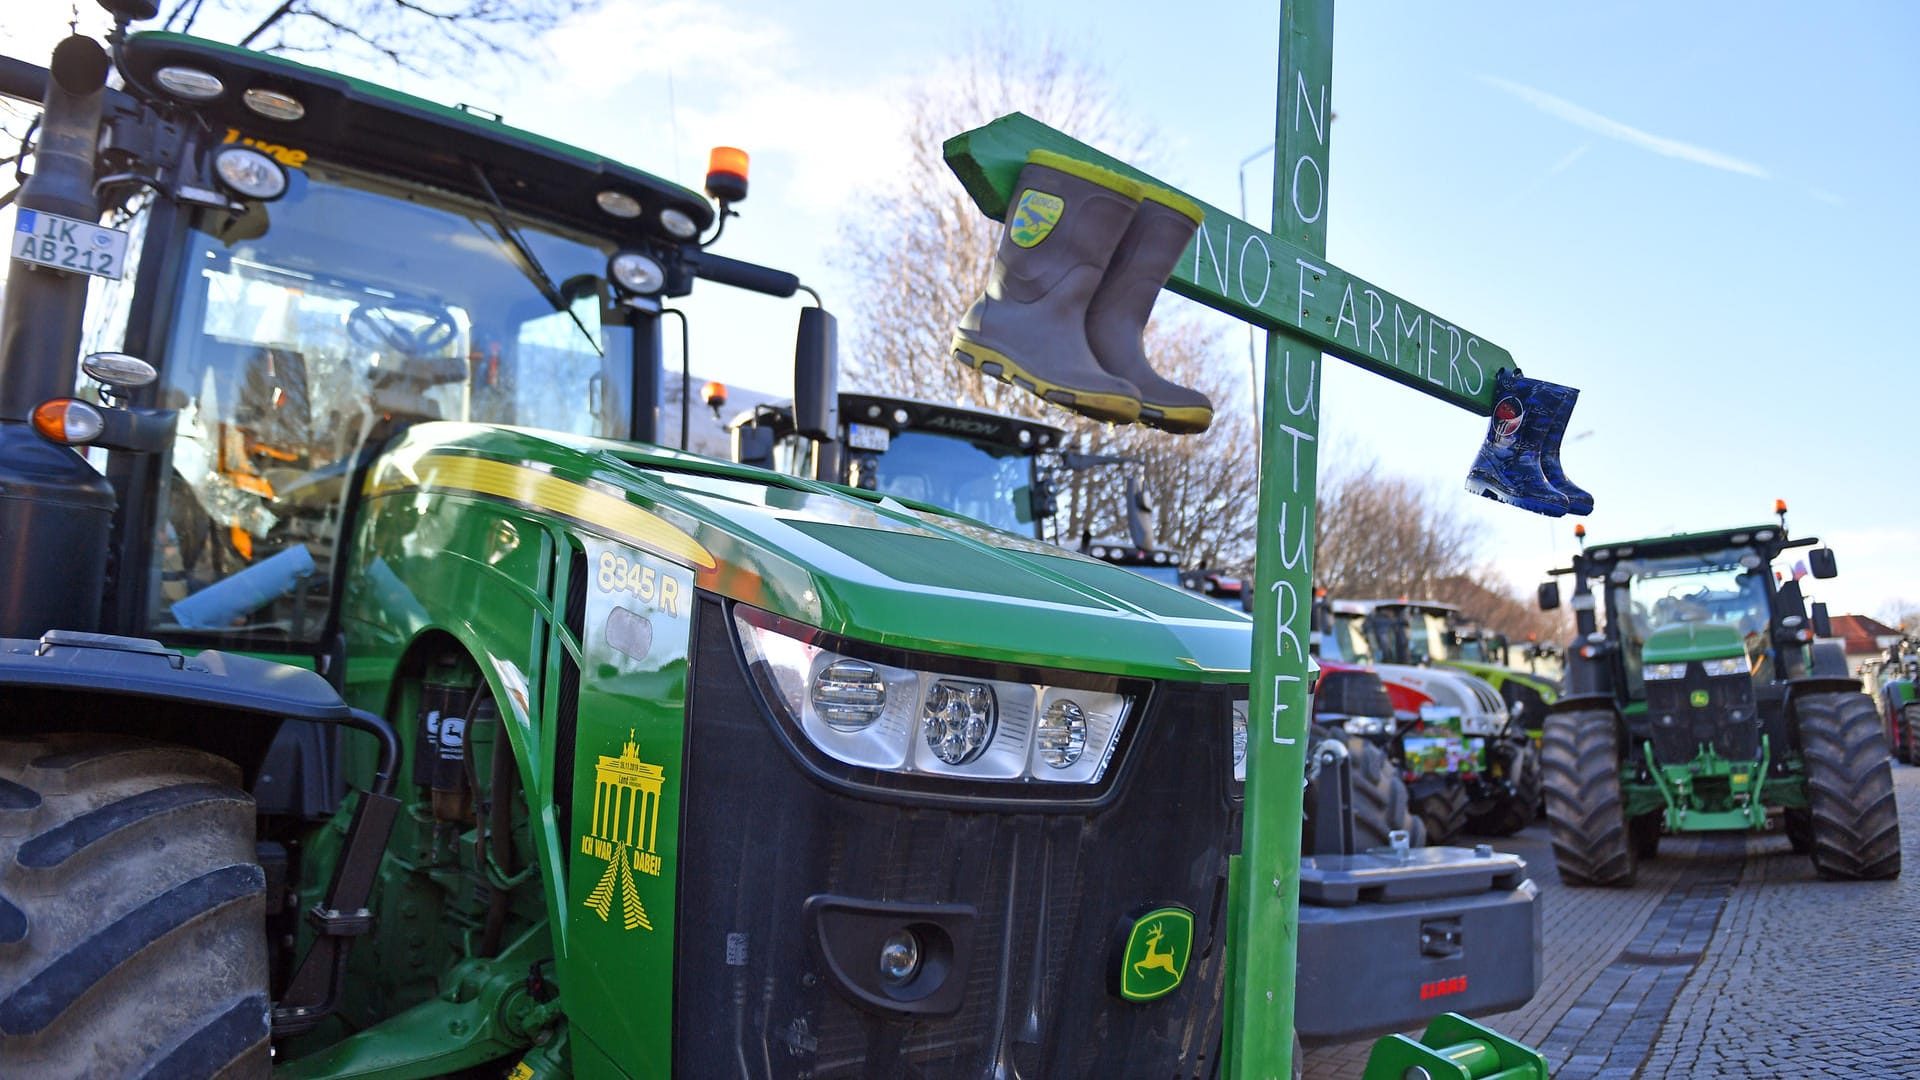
(816,375)
(1820,561)
(1822,625)
(1549,595)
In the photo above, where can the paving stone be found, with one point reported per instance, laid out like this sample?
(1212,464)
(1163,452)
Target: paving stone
(1728,958)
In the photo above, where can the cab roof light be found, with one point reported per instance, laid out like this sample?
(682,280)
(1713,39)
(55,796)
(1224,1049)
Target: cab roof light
(273,104)
(190,83)
(714,394)
(727,174)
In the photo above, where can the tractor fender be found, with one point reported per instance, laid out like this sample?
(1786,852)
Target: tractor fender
(223,703)
(1822,684)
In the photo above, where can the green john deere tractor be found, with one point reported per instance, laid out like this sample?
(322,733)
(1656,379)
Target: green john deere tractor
(1706,703)
(1894,681)
(380,698)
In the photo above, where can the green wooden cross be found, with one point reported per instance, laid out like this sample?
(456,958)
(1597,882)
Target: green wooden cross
(1280,281)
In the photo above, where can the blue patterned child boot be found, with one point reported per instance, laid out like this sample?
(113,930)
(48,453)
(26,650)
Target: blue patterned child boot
(1562,398)
(1509,467)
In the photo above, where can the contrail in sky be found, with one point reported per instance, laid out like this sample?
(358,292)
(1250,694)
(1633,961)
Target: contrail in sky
(1614,129)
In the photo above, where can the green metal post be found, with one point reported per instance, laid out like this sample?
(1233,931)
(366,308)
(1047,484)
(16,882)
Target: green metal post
(1267,874)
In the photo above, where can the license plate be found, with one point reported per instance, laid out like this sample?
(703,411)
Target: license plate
(65,243)
(868,436)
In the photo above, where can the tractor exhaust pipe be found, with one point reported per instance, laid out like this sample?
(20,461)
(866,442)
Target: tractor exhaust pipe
(55,510)
(40,325)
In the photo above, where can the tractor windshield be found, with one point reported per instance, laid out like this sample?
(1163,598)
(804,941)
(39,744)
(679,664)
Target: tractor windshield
(1727,586)
(1428,638)
(1347,640)
(312,326)
(982,480)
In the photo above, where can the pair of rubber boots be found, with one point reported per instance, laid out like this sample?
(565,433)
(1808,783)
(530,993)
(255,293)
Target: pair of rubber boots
(1082,256)
(1519,464)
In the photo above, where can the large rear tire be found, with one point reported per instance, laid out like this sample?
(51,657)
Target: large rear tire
(1443,811)
(1856,826)
(1379,796)
(1514,810)
(1585,811)
(131,913)
(1910,731)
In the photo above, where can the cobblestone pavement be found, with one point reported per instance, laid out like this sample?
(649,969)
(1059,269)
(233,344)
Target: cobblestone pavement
(1727,958)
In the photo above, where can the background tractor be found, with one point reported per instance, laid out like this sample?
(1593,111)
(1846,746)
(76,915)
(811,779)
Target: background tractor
(1706,703)
(381,698)
(1894,681)
(1469,765)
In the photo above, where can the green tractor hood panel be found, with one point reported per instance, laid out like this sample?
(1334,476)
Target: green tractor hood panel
(870,568)
(1693,641)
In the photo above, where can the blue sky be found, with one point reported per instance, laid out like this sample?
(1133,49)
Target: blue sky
(1700,214)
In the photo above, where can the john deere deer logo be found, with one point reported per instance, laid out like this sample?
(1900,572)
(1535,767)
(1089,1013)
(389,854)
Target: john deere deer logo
(626,817)
(1155,958)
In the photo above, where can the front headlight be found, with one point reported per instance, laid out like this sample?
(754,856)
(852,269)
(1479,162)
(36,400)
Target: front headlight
(1366,725)
(1667,671)
(922,720)
(1732,665)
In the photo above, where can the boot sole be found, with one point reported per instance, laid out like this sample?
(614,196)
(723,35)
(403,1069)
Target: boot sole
(1112,408)
(1176,421)
(1481,487)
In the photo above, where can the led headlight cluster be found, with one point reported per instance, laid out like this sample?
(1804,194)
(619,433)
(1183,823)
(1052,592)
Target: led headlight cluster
(1367,725)
(1732,665)
(925,721)
(1676,670)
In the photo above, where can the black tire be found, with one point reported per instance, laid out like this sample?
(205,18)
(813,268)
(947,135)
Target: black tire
(132,940)
(1512,811)
(1585,812)
(1798,825)
(1856,826)
(1379,797)
(1910,732)
(1644,833)
(1443,811)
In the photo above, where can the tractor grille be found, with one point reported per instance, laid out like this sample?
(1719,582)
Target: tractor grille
(1038,897)
(1728,721)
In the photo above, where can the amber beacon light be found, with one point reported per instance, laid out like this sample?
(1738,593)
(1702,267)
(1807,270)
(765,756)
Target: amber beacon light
(727,174)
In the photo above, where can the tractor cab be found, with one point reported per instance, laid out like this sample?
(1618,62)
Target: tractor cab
(993,468)
(1696,608)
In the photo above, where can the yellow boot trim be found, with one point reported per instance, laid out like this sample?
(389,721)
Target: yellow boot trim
(1114,408)
(1170,198)
(1185,420)
(1092,174)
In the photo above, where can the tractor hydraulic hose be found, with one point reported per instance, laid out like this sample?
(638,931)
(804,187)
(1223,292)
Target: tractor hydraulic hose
(389,763)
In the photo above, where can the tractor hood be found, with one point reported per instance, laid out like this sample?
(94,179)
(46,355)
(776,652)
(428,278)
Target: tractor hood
(1479,704)
(853,563)
(1693,641)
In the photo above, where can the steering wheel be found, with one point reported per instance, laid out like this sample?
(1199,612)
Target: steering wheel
(376,327)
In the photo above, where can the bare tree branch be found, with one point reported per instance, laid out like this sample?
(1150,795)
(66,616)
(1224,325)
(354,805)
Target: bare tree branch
(921,252)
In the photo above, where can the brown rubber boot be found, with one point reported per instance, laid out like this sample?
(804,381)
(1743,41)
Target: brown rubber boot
(1117,315)
(1030,327)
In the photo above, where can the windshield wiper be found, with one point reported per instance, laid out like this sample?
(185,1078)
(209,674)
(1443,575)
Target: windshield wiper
(530,264)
